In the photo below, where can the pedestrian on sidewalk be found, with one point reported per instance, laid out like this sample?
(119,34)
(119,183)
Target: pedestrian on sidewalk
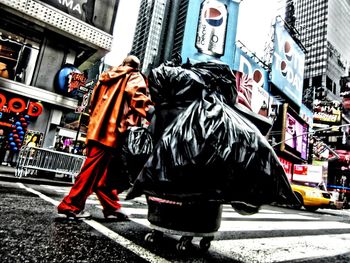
(111,112)
(2,146)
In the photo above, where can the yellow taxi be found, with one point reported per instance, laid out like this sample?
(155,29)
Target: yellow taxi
(312,195)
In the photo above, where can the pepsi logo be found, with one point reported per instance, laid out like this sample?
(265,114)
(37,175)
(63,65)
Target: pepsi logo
(213,16)
(288,50)
(258,77)
(284,68)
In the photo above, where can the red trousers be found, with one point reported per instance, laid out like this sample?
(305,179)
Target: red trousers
(92,178)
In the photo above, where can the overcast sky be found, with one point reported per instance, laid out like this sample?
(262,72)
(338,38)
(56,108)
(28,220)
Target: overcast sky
(254,23)
(124,29)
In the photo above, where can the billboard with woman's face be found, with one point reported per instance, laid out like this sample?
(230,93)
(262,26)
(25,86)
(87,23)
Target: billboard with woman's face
(33,138)
(294,134)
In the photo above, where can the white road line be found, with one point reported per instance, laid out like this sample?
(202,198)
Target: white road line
(271,249)
(134,248)
(140,251)
(96,202)
(135,211)
(284,225)
(281,249)
(141,221)
(42,196)
(269,216)
(92,202)
(228,209)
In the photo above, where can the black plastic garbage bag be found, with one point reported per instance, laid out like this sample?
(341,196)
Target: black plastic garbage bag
(135,150)
(211,152)
(174,85)
(219,78)
(138,142)
(174,88)
(129,159)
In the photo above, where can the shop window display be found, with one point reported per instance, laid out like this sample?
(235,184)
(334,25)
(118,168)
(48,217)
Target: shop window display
(17,57)
(77,128)
(16,112)
(69,145)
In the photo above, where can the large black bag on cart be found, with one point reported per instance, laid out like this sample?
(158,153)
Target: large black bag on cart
(173,89)
(209,151)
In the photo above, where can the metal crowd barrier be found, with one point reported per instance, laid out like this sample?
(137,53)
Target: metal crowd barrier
(33,159)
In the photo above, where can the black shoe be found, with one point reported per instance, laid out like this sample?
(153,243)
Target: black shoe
(116,215)
(76,215)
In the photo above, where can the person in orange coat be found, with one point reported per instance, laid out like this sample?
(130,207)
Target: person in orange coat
(119,99)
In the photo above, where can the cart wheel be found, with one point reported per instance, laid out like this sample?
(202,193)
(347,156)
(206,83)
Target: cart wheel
(184,243)
(204,244)
(153,236)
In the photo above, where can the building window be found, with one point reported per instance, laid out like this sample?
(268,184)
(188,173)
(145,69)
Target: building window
(17,57)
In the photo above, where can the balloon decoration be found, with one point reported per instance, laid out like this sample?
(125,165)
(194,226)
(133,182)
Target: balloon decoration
(19,128)
(15,115)
(62,78)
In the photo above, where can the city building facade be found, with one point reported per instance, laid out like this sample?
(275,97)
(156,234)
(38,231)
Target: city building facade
(159,31)
(42,43)
(149,33)
(324,30)
(322,27)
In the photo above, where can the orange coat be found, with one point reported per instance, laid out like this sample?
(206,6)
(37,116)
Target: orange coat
(110,115)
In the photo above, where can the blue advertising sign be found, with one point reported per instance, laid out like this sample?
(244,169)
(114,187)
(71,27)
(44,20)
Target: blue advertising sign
(306,114)
(287,71)
(205,36)
(248,66)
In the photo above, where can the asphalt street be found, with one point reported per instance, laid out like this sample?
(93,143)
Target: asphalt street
(32,231)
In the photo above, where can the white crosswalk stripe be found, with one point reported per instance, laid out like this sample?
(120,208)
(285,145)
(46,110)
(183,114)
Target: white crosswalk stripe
(260,248)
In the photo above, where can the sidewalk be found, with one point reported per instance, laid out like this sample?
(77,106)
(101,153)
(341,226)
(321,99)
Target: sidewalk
(7,173)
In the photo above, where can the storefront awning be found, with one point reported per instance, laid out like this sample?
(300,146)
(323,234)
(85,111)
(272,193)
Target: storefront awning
(38,94)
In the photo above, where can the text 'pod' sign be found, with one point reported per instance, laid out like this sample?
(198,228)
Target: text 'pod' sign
(287,65)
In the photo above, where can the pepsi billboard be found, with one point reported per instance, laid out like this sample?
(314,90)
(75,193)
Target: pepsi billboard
(205,35)
(248,66)
(287,70)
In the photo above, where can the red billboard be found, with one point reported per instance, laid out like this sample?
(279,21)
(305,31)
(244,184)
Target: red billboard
(287,166)
(251,95)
